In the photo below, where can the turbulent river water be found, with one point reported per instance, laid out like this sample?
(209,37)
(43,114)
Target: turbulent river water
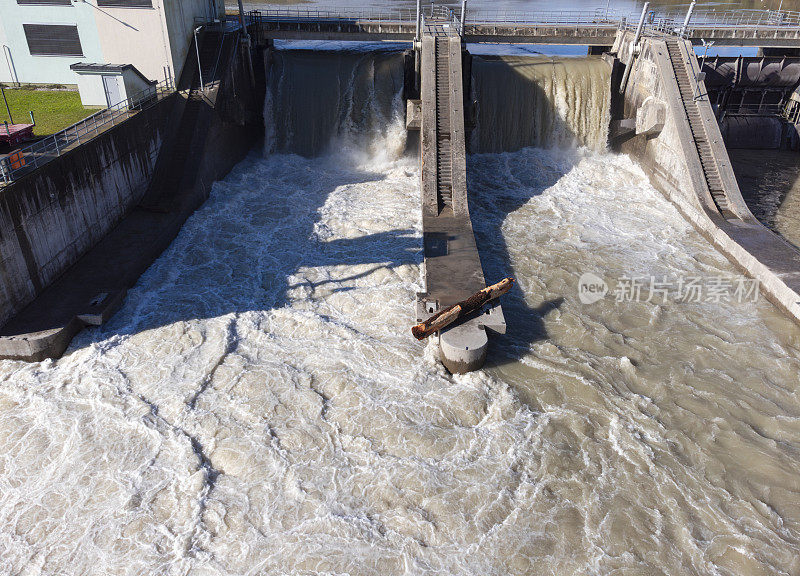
(259,406)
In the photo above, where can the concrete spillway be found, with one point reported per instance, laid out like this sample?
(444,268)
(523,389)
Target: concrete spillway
(453,269)
(668,124)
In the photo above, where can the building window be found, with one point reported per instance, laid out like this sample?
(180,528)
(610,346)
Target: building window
(46,2)
(53,39)
(125,3)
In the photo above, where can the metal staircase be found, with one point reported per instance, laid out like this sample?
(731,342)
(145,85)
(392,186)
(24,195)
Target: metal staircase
(444,158)
(707,159)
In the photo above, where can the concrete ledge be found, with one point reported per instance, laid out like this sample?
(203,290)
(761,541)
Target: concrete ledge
(452,267)
(38,346)
(413,114)
(650,118)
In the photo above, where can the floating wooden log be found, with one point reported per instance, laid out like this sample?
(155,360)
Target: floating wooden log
(444,318)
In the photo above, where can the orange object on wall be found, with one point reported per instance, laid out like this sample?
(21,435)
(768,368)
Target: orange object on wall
(17,160)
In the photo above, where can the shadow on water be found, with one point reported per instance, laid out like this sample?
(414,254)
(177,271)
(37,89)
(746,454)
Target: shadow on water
(501,180)
(496,191)
(243,252)
(770,184)
(249,248)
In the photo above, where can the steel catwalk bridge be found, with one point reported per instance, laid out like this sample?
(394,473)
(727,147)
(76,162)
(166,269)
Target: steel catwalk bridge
(762,28)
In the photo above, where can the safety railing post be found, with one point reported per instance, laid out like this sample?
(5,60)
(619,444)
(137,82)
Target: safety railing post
(197,50)
(628,68)
(418,36)
(688,17)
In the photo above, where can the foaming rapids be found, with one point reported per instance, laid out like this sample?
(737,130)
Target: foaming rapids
(539,101)
(259,406)
(339,101)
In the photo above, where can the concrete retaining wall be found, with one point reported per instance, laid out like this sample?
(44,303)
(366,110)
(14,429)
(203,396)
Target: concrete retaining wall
(113,208)
(51,216)
(671,160)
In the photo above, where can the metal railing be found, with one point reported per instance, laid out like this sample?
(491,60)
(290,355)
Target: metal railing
(399,15)
(655,25)
(664,22)
(253,21)
(742,18)
(756,109)
(556,17)
(455,22)
(227,27)
(442,16)
(53,146)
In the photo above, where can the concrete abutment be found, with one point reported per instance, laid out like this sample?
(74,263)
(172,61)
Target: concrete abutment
(100,214)
(664,120)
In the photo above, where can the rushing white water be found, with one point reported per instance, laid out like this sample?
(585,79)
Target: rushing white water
(347,100)
(259,405)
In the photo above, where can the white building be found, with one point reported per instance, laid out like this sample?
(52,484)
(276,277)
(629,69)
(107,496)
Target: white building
(41,39)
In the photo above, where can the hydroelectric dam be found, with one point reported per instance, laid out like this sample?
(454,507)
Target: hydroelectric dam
(206,363)
(660,113)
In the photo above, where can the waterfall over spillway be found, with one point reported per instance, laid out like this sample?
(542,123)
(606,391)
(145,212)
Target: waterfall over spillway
(343,100)
(352,101)
(539,101)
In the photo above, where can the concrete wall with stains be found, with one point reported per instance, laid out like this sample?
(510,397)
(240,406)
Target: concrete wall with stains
(50,217)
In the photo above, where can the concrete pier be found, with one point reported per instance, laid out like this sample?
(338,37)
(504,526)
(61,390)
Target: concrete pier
(664,119)
(453,269)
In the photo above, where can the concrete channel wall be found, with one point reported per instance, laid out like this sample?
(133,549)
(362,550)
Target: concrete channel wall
(164,170)
(50,217)
(650,123)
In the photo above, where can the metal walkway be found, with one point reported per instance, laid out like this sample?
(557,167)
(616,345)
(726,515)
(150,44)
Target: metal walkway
(707,159)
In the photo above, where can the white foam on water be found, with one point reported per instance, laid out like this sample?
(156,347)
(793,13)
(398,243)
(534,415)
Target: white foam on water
(259,405)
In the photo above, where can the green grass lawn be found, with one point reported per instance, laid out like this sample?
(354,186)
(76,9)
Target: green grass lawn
(53,109)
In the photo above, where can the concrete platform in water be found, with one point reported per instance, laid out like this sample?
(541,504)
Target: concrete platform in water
(453,269)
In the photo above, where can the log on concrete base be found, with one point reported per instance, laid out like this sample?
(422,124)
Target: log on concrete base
(444,318)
